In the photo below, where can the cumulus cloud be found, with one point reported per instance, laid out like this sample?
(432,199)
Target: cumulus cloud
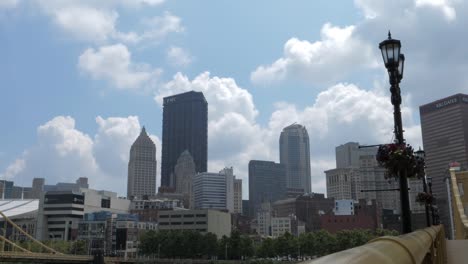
(323,61)
(113,63)
(178,57)
(64,153)
(430,33)
(223,94)
(16,167)
(9,4)
(96,21)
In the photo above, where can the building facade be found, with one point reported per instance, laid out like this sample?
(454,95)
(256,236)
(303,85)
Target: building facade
(185,127)
(307,208)
(213,221)
(366,216)
(60,211)
(214,191)
(267,183)
(295,155)
(184,172)
(142,167)
(358,176)
(238,196)
(444,125)
(341,183)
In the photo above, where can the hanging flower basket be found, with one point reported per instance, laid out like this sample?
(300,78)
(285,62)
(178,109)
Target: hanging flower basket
(397,158)
(424,198)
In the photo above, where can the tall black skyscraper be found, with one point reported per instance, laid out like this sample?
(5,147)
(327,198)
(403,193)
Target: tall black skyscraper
(185,127)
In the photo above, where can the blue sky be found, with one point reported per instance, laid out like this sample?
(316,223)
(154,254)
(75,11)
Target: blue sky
(80,78)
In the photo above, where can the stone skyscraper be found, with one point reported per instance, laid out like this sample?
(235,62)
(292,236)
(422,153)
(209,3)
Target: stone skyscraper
(295,155)
(185,127)
(444,125)
(142,167)
(184,172)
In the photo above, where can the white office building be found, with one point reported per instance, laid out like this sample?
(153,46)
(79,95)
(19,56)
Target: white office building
(358,176)
(61,211)
(214,190)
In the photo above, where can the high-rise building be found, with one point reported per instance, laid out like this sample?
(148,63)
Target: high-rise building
(267,183)
(357,173)
(295,155)
(185,127)
(142,167)
(37,187)
(184,172)
(214,190)
(444,125)
(238,196)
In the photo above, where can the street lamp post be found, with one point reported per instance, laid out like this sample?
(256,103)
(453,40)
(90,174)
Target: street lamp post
(394,62)
(429,183)
(421,154)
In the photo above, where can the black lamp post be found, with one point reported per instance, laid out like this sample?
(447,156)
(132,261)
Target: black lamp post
(394,62)
(421,154)
(434,217)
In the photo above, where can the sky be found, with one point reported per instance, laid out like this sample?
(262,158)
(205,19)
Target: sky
(79,79)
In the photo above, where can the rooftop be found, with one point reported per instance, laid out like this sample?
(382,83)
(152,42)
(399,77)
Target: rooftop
(19,208)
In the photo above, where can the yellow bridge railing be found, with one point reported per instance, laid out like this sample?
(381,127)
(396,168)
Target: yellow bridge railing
(460,220)
(422,246)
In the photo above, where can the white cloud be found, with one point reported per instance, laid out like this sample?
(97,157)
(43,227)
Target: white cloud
(63,153)
(160,26)
(113,63)
(9,4)
(16,167)
(178,57)
(86,23)
(443,5)
(96,21)
(223,94)
(324,61)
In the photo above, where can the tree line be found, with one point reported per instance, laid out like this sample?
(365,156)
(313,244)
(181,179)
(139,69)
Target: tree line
(194,245)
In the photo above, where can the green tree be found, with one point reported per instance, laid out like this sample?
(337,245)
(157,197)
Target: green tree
(209,246)
(286,245)
(247,248)
(266,249)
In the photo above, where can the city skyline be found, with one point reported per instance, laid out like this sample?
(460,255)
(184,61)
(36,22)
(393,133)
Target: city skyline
(78,92)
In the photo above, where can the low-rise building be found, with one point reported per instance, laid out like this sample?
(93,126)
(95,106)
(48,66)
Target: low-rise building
(280,225)
(60,211)
(366,216)
(23,213)
(114,234)
(216,222)
(307,208)
(147,210)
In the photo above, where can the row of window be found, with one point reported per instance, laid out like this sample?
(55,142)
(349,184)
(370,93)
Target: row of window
(183,223)
(184,216)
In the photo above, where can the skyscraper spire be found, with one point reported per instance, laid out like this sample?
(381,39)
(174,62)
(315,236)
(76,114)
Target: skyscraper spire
(142,167)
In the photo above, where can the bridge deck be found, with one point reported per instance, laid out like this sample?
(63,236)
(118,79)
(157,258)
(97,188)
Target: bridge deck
(43,258)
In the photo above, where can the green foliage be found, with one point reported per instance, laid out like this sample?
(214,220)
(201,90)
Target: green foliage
(193,244)
(318,243)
